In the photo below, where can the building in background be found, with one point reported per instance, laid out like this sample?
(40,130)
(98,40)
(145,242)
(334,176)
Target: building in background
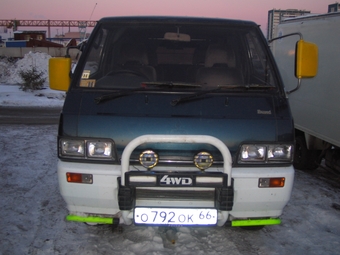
(275,17)
(28,35)
(334,7)
(6,33)
(74,35)
(30,39)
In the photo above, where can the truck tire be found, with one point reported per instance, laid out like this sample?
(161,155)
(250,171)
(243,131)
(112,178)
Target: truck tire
(332,159)
(305,159)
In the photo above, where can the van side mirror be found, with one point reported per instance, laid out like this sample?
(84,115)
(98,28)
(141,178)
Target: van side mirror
(306,57)
(59,73)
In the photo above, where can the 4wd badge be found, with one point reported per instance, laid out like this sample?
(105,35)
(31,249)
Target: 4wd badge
(179,181)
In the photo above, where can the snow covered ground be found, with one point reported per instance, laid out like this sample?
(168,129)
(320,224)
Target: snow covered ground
(12,96)
(32,214)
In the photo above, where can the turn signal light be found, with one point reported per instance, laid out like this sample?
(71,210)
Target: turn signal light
(272,182)
(79,178)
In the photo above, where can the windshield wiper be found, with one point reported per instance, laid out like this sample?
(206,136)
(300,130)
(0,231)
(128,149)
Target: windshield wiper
(248,86)
(120,93)
(199,95)
(144,85)
(195,96)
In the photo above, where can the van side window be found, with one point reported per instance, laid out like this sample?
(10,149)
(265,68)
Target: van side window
(261,72)
(93,61)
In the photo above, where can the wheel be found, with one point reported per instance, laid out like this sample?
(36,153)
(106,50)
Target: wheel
(332,159)
(305,159)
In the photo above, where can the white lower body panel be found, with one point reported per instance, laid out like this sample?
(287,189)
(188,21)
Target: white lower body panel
(98,198)
(252,201)
(101,197)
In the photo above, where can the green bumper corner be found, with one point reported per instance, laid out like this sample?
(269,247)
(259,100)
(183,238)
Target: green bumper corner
(255,222)
(91,219)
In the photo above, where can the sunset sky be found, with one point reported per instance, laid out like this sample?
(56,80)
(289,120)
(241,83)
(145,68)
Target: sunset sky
(255,10)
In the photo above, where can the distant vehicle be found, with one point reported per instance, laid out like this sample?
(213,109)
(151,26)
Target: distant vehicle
(174,121)
(315,105)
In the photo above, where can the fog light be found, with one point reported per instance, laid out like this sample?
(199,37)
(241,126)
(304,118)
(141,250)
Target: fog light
(79,178)
(271,182)
(203,160)
(148,159)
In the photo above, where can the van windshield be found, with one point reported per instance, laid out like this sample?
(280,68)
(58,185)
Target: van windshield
(128,56)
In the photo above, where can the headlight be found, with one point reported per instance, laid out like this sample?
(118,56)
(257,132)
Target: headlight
(73,148)
(99,149)
(279,152)
(253,153)
(87,149)
(263,153)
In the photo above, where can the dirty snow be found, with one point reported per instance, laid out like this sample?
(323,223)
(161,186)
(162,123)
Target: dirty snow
(10,82)
(32,215)
(10,67)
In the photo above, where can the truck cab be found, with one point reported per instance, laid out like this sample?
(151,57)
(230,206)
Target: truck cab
(174,121)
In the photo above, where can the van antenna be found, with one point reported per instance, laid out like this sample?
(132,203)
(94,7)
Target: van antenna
(93,11)
(90,19)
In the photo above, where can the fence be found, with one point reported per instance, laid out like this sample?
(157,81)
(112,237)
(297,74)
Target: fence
(20,52)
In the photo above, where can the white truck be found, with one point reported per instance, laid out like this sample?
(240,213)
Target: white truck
(315,104)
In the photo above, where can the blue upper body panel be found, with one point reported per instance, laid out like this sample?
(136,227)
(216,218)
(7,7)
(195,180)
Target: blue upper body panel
(228,85)
(234,119)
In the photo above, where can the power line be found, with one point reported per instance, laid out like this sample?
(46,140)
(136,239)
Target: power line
(45,23)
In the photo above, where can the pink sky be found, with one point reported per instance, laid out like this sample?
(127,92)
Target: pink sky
(255,10)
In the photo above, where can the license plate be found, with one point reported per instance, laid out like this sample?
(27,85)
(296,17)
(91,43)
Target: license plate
(175,216)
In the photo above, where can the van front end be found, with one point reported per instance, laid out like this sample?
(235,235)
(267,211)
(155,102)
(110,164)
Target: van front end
(174,121)
(178,196)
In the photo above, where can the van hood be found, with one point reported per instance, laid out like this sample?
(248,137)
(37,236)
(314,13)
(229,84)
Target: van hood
(234,119)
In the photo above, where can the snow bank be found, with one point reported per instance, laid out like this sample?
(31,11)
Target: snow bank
(10,80)
(10,69)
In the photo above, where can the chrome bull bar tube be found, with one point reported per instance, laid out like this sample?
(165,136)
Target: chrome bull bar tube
(227,160)
(177,139)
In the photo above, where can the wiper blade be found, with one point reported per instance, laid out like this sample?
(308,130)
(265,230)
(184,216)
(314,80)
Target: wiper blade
(171,84)
(195,96)
(120,93)
(248,86)
(198,95)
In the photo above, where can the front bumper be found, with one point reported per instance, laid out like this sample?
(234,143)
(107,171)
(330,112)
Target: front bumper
(101,197)
(113,195)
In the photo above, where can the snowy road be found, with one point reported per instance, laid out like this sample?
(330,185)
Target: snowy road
(32,213)
(29,115)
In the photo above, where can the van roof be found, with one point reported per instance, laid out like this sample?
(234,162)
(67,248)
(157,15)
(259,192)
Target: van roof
(175,19)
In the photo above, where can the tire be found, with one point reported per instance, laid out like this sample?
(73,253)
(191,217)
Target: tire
(305,159)
(332,159)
